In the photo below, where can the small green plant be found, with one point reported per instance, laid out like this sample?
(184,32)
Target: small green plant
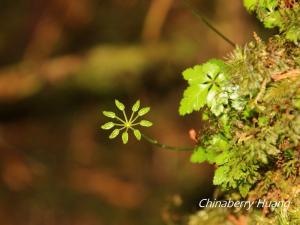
(127,122)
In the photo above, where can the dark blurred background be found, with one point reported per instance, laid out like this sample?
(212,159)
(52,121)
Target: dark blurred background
(61,63)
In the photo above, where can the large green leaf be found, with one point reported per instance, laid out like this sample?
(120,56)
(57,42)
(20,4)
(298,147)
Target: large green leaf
(205,83)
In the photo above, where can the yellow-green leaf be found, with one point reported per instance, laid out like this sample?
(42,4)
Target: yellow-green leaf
(119,105)
(108,125)
(114,134)
(144,111)
(125,137)
(136,106)
(146,123)
(137,134)
(109,114)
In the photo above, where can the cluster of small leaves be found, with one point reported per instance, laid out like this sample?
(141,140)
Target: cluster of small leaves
(253,114)
(126,123)
(284,14)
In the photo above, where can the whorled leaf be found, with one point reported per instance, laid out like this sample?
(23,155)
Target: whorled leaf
(114,134)
(108,125)
(125,137)
(109,114)
(137,134)
(136,106)
(119,105)
(146,123)
(128,122)
(143,111)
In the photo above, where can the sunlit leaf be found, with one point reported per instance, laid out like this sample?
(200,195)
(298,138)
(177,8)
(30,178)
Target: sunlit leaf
(198,156)
(146,123)
(143,111)
(250,4)
(119,105)
(194,98)
(204,84)
(114,134)
(137,134)
(108,125)
(125,137)
(136,106)
(109,114)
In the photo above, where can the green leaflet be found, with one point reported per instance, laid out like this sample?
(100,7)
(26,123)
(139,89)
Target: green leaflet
(125,137)
(194,98)
(136,106)
(199,155)
(220,176)
(109,114)
(114,134)
(119,105)
(273,19)
(204,84)
(137,134)
(293,33)
(146,123)
(250,4)
(211,153)
(108,125)
(244,189)
(144,111)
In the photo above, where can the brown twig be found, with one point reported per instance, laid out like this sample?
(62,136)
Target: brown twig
(155,19)
(289,74)
(261,92)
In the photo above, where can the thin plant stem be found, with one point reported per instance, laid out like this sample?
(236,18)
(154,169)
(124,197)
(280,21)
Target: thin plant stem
(118,118)
(123,111)
(132,114)
(137,116)
(122,128)
(207,23)
(118,124)
(164,146)
(134,124)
